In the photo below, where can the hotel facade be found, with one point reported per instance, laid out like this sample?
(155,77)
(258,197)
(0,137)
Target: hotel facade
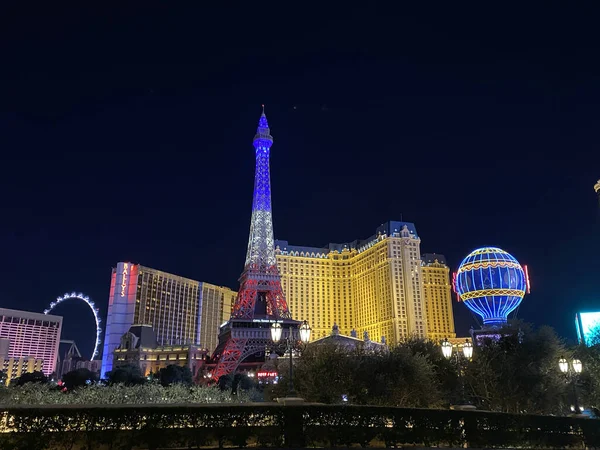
(32,337)
(181,311)
(374,285)
(437,289)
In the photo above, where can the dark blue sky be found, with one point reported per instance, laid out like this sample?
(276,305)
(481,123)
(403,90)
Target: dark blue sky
(125,134)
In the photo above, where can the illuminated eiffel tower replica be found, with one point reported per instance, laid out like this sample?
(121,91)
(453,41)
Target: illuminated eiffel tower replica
(260,300)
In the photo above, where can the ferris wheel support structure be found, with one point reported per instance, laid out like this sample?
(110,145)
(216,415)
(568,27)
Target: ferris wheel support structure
(86,299)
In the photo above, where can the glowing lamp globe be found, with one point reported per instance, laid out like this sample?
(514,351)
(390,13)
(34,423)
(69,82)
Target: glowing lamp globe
(491,283)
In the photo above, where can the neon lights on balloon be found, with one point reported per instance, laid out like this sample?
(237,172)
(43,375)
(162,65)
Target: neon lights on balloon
(86,299)
(527,278)
(454,286)
(491,283)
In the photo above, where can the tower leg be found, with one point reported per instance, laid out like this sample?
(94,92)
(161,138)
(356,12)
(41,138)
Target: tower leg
(230,358)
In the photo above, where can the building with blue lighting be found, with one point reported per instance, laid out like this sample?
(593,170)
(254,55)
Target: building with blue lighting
(182,312)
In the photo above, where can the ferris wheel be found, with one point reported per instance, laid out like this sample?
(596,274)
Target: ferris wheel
(86,299)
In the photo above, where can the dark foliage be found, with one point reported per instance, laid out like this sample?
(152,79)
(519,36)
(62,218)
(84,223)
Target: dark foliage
(129,374)
(173,374)
(331,374)
(78,378)
(31,377)
(519,373)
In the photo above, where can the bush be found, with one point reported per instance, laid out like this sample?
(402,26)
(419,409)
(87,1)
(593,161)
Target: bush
(149,393)
(31,377)
(173,374)
(78,378)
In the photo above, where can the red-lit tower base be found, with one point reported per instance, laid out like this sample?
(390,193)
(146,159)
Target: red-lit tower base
(260,302)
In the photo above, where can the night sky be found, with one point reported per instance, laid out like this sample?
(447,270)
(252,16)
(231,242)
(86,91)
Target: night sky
(126,134)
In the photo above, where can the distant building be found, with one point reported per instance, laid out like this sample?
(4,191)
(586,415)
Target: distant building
(32,336)
(68,355)
(4,347)
(350,342)
(373,285)
(69,359)
(15,367)
(437,290)
(139,346)
(182,312)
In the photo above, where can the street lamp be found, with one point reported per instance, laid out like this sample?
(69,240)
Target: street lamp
(459,359)
(276,333)
(447,349)
(571,373)
(305,332)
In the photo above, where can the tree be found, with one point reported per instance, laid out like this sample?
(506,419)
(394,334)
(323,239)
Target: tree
(333,374)
(225,382)
(128,374)
(173,374)
(589,380)
(518,373)
(31,377)
(397,378)
(444,370)
(78,378)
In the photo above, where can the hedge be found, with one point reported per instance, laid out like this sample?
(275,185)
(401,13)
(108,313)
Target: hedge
(272,425)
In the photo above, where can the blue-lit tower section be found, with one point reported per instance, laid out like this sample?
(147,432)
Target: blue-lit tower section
(491,283)
(121,310)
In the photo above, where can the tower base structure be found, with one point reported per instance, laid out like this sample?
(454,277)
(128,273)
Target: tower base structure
(242,338)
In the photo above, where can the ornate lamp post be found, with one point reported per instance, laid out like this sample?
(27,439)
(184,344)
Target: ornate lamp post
(460,359)
(290,344)
(571,373)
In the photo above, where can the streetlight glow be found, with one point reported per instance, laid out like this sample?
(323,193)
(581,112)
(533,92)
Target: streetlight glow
(447,349)
(276,331)
(577,366)
(305,332)
(467,349)
(563,365)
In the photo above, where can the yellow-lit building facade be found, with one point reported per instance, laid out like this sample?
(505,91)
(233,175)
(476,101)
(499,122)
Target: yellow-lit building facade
(375,285)
(138,346)
(15,367)
(437,290)
(182,312)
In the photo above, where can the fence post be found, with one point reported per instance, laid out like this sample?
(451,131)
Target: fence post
(293,426)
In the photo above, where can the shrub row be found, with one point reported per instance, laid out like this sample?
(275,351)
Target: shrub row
(271,425)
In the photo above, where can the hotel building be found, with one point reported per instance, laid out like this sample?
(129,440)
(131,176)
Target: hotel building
(373,285)
(181,311)
(438,297)
(138,346)
(32,336)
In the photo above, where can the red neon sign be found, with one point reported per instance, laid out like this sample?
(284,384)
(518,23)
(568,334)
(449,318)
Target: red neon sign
(454,286)
(124,280)
(266,374)
(527,283)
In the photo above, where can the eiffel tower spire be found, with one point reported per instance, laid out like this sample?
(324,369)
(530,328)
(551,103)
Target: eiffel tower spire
(261,251)
(260,293)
